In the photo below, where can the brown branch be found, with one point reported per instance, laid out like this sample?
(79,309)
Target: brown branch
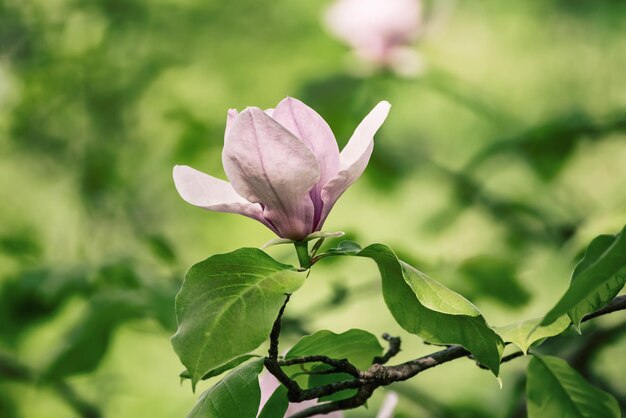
(378,375)
(342,365)
(275,333)
(504,359)
(271,361)
(363,394)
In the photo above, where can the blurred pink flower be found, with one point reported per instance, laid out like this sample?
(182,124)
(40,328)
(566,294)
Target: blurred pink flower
(379,31)
(269,384)
(284,167)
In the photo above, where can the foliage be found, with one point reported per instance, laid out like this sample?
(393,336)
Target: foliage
(498,164)
(227,305)
(555,389)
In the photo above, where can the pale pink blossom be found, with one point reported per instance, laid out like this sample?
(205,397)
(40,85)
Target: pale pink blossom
(388,406)
(379,31)
(284,167)
(269,384)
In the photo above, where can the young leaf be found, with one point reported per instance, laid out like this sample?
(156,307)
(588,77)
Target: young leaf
(227,305)
(554,389)
(344,248)
(596,280)
(428,309)
(236,396)
(358,346)
(525,334)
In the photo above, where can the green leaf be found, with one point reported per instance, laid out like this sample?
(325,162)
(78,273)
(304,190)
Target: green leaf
(227,305)
(525,334)
(496,278)
(276,405)
(358,346)
(554,389)
(160,246)
(223,368)
(236,396)
(82,349)
(596,280)
(428,309)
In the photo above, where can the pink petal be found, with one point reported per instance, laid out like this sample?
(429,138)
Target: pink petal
(389,405)
(306,124)
(354,157)
(211,193)
(369,24)
(267,164)
(269,384)
(230,118)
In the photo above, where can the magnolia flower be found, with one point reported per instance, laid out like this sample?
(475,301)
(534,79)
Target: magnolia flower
(379,31)
(284,167)
(269,384)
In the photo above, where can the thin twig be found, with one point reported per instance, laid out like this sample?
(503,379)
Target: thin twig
(394,349)
(504,359)
(618,304)
(275,334)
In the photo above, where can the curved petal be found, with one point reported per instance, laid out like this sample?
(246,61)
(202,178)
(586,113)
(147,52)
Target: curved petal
(267,164)
(211,193)
(306,124)
(354,157)
(368,25)
(230,118)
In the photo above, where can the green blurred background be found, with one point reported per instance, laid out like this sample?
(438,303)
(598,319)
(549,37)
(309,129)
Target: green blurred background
(494,169)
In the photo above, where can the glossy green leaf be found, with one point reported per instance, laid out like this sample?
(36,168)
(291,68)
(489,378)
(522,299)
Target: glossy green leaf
(276,405)
(495,278)
(223,368)
(597,279)
(554,389)
(526,333)
(428,309)
(358,346)
(236,396)
(227,305)
(82,349)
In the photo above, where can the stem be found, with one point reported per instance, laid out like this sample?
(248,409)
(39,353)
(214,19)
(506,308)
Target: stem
(273,350)
(302,249)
